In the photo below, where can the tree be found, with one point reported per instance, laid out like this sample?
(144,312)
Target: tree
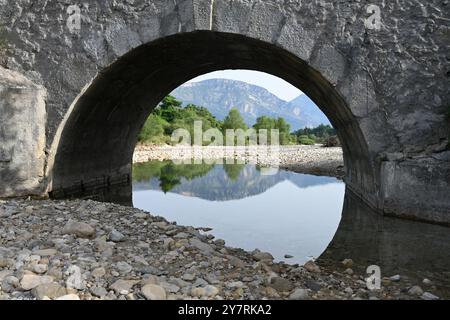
(234,121)
(284,129)
(168,108)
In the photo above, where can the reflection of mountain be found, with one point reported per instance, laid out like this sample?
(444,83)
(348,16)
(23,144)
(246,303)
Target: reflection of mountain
(215,182)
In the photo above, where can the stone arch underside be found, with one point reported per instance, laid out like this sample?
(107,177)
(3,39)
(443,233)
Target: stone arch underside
(97,140)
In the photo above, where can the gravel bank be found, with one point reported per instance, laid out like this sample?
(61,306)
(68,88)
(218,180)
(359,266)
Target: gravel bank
(89,250)
(315,159)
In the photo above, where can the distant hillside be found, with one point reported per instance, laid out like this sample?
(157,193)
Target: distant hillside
(220,95)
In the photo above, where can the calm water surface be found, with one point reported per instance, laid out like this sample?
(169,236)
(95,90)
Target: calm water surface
(284,213)
(288,213)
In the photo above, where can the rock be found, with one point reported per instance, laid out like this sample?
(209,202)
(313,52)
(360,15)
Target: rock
(98,272)
(74,281)
(415,291)
(153,292)
(79,229)
(31,281)
(99,292)
(395,278)
(6,263)
(71,296)
(40,268)
(348,290)
(123,267)
(200,283)
(313,285)
(201,246)
(262,256)
(188,277)
(311,266)
(116,236)
(429,296)
(288,256)
(349,271)
(299,294)
(281,284)
(122,286)
(50,290)
(427,282)
(197,292)
(347,263)
(45,252)
(211,291)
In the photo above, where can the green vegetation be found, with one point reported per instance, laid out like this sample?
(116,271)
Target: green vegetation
(311,136)
(170,115)
(168,173)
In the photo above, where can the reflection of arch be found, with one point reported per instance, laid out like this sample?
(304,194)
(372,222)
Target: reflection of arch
(396,245)
(96,142)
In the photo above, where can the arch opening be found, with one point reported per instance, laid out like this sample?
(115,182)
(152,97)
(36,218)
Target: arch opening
(96,142)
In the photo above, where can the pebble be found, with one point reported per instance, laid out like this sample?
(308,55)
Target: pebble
(299,294)
(429,296)
(160,260)
(30,281)
(311,266)
(71,296)
(153,292)
(79,229)
(415,291)
(123,286)
(281,284)
(263,256)
(116,236)
(49,290)
(395,278)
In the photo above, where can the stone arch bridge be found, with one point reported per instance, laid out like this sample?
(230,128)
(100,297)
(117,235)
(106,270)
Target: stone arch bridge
(79,78)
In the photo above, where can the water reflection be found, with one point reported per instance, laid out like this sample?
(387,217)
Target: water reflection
(284,213)
(215,182)
(413,249)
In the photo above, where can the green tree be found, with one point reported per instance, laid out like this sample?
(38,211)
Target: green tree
(234,120)
(153,130)
(284,129)
(168,108)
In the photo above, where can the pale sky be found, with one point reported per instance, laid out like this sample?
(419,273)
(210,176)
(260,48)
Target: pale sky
(282,89)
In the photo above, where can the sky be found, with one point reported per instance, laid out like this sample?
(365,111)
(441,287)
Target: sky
(282,89)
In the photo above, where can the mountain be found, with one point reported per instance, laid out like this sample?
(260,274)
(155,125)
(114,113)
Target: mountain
(220,95)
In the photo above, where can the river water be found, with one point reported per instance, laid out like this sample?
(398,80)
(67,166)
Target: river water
(293,214)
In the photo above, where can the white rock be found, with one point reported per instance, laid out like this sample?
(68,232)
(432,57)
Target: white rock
(69,297)
(415,291)
(153,292)
(30,281)
(429,296)
(299,294)
(75,280)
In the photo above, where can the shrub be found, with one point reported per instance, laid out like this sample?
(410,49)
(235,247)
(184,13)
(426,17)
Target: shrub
(306,140)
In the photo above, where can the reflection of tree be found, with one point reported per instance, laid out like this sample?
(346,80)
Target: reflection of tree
(168,173)
(233,170)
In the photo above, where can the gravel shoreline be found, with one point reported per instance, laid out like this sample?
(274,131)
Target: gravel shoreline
(315,159)
(87,250)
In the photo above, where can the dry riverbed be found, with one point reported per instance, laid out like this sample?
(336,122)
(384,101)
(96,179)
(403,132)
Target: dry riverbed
(315,160)
(89,250)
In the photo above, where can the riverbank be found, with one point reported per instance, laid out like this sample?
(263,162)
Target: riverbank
(315,159)
(89,250)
